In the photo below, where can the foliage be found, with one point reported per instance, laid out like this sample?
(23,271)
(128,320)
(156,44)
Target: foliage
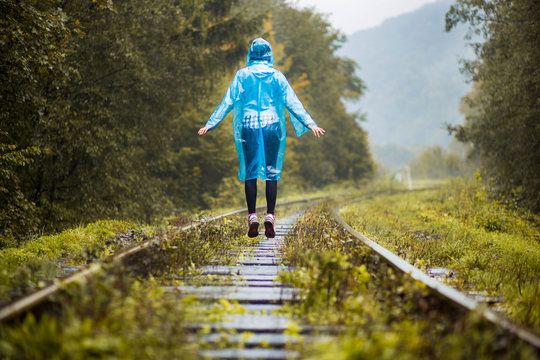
(33,47)
(502,111)
(18,213)
(27,265)
(107,92)
(436,163)
(143,69)
(101,101)
(490,247)
(381,313)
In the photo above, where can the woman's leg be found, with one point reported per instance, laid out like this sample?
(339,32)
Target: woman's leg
(271,196)
(251,195)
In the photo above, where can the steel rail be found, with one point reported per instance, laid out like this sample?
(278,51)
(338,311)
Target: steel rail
(27,301)
(443,290)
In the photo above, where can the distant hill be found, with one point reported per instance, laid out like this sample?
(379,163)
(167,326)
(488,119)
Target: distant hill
(410,66)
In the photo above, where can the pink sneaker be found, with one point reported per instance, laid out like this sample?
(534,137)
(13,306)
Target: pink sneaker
(253,225)
(269,226)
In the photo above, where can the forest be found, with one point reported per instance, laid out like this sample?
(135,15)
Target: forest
(100,103)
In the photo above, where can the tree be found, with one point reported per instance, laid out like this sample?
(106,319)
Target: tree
(18,214)
(101,101)
(436,163)
(34,42)
(106,91)
(503,111)
(143,70)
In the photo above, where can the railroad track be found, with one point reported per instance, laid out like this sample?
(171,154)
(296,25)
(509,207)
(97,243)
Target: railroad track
(24,303)
(258,332)
(252,283)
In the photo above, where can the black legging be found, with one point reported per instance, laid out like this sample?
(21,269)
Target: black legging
(251,195)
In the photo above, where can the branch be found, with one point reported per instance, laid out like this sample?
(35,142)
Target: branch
(110,74)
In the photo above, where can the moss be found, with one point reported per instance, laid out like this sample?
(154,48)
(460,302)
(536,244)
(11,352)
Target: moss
(39,259)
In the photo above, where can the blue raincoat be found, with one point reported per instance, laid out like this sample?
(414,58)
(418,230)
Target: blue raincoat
(259,95)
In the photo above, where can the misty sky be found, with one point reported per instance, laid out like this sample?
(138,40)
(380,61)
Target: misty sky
(352,15)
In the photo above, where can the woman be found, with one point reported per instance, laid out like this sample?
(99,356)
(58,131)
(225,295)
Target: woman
(259,94)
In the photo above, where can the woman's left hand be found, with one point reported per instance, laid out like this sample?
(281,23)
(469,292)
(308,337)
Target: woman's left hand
(318,131)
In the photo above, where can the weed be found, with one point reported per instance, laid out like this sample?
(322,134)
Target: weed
(492,248)
(28,265)
(125,312)
(110,317)
(374,311)
(179,253)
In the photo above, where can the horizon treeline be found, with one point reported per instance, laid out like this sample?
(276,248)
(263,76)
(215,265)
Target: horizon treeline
(101,100)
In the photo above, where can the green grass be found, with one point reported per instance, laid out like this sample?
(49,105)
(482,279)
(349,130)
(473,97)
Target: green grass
(124,312)
(112,317)
(492,248)
(374,311)
(77,243)
(29,264)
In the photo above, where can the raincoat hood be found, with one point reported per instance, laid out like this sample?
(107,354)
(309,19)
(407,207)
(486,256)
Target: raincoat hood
(260,50)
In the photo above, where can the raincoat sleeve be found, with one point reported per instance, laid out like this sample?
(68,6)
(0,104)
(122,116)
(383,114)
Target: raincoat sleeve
(300,118)
(226,105)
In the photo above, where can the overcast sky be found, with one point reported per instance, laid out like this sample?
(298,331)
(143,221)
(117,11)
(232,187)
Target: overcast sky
(353,15)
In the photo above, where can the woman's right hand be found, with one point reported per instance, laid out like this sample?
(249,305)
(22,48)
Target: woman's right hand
(203,131)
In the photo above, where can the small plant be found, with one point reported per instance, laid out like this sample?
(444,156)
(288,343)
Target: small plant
(491,248)
(41,259)
(111,317)
(125,311)
(374,311)
(179,253)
